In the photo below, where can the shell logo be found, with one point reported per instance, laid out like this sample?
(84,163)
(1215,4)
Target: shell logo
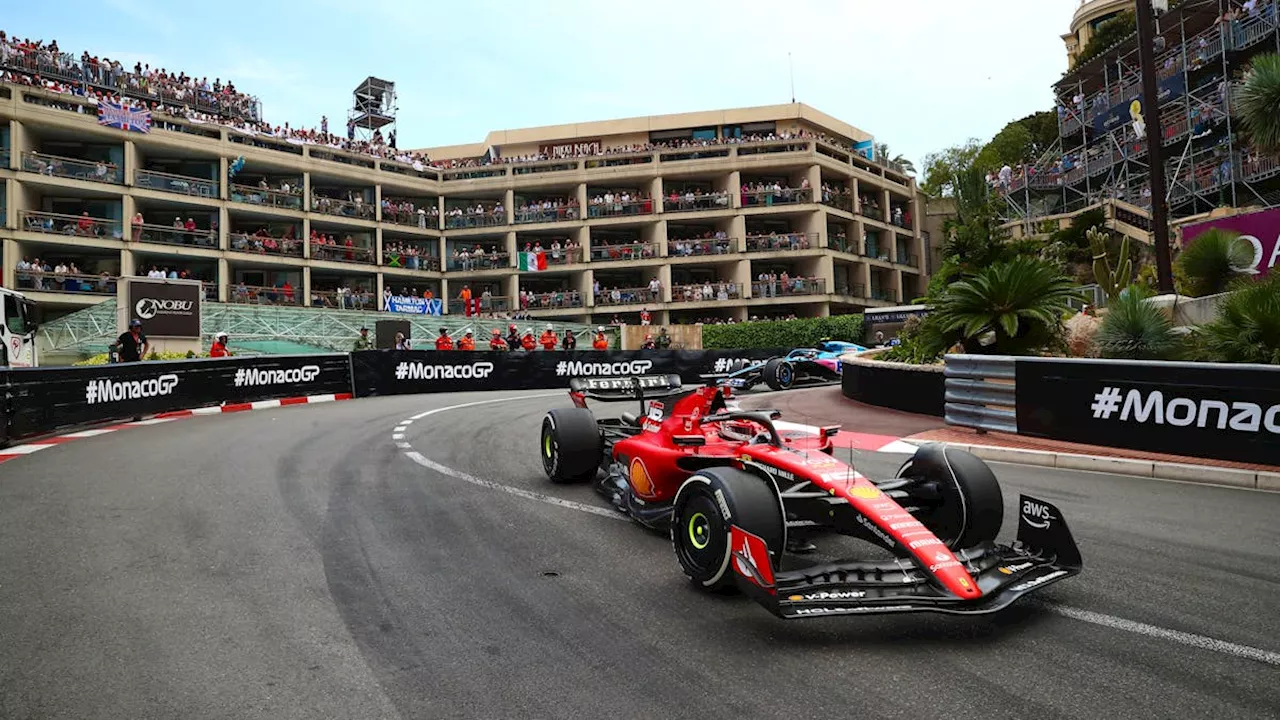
(641,483)
(865,492)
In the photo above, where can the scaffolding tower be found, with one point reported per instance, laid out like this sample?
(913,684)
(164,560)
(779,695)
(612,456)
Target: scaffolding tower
(1101,157)
(373,109)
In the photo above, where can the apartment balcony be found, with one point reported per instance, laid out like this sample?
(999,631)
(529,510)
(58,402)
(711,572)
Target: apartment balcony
(486,261)
(529,215)
(884,295)
(291,200)
(70,225)
(177,184)
(78,284)
(706,292)
(626,296)
(165,235)
(420,219)
(559,299)
(793,287)
(564,256)
(408,261)
(908,260)
(620,209)
(72,168)
(697,203)
(771,198)
(5,154)
(701,247)
(465,221)
(488,304)
(343,208)
(623,253)
(779,243)
(839,201)
(267,245)
(342,254)
(242,294)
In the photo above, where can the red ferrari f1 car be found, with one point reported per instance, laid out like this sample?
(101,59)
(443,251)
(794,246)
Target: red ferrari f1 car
(735,493)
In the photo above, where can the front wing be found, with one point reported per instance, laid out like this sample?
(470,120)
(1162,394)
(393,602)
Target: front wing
(1044,553)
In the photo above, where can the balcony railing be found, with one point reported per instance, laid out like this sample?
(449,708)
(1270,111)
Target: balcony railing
(843,244)
(622,253)
(839,201)
(793,286)
(525,215)
(900,221)
(357,300)
(769,198)
(564,256)
(488,304)
(163,235)
(486,261)
(872,211)
(78,225)
(397,259)
(74,168)
(179,184)
(82,284)
(619,209)
(855,290)
(271,198)
(705,292)
(492,218)
(696,203)
(627,296)
(242,294)
(421,219)
(908,259)
(884,295)
(342,208)
(342,253)
(695,247)
(775,242)
(284,247)
(552,299)
(4,158)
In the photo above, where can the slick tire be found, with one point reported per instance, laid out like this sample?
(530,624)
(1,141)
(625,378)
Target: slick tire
(707,505)
(964,506)
(570,445)
(779,374)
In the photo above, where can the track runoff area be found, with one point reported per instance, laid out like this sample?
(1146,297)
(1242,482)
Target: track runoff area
(448,578)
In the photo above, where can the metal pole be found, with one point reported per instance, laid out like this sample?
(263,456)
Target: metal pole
(1155,156)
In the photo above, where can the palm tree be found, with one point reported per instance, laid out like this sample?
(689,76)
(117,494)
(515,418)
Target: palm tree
(1213,260)
(1257,103)
(1134,329)
(897,162)
(1247,328)
(1019,304)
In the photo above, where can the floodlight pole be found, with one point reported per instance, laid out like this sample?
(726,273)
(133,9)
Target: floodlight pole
(1155,148)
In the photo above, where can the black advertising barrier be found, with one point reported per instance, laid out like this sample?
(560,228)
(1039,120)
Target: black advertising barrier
(910,388)
(1208,410)
(41,400)
(377,372)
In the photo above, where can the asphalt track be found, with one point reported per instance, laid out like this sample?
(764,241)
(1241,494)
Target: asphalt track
(302,563)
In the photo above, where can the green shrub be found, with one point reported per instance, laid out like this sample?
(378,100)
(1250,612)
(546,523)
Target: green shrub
(920,342)
(1247,329)
(799,333)
(1134,329)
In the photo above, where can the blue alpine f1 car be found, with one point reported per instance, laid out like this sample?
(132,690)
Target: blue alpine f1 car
(800,366)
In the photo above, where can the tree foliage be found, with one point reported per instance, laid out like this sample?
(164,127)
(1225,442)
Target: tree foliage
(897,162)
(941,168)
(1109,33)
(1011,146)
(1247,328)
(1008,308)
(1257,103)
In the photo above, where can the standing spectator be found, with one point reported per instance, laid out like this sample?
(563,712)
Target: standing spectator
(664,340)
(548,340)
(527,343)
(219,347)
(513,338)
(569,342)
(467,342)
(648,343)
(133,344)
(401,342)
(444,342)
(496,342)
(600,342)
(363,342)
(645,317)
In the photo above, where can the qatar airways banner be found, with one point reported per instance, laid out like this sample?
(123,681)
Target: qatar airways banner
(1259,229)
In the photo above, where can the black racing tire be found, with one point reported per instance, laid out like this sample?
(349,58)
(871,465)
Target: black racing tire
(968,507)
(570,445)
(779,374)
(700,529)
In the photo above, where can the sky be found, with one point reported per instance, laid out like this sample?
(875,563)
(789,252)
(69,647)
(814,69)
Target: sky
(920,75)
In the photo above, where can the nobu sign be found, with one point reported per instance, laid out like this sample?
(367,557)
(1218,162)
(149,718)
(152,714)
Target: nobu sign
(166,309)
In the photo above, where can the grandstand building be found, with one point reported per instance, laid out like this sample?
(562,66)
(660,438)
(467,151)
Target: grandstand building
(1101,159)
(766,211)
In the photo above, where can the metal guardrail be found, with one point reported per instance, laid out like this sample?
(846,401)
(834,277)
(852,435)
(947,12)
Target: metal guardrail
(981,392)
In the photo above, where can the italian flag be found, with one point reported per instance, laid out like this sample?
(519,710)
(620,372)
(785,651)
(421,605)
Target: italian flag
(533,261)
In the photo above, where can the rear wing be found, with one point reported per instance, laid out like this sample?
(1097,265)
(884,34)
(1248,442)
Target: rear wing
(619,389)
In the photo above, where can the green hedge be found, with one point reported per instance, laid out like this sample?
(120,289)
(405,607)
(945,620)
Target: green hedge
(800,333)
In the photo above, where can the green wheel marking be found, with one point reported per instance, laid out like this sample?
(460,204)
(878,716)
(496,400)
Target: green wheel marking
(698,535)
(546,445)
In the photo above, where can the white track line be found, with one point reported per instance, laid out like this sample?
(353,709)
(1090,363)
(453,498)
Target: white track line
(1201,642)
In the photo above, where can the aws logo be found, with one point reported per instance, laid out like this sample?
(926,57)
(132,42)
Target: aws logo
(641,483)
